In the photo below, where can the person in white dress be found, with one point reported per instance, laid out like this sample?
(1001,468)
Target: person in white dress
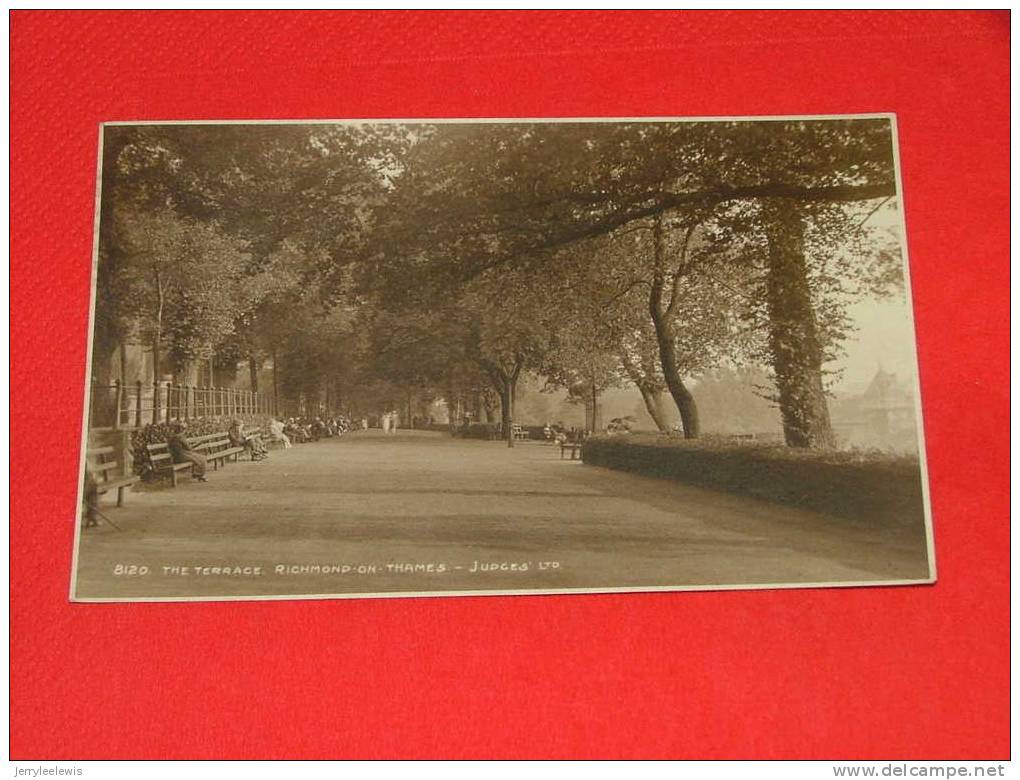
(385,423)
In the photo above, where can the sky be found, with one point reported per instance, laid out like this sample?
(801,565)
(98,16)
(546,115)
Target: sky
(884,340)
(885,335)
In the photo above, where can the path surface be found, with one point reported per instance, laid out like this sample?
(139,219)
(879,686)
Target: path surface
(375,512)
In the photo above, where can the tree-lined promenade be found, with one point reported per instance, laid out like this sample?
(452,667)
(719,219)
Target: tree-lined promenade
(422,512)
(378,266)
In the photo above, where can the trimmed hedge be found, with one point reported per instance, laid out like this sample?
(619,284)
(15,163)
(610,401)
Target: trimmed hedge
(860,485)
(487,431)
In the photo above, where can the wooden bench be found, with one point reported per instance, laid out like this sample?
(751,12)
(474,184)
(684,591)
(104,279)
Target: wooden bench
(216,447)
(162,461)
(573,446)
(100,466)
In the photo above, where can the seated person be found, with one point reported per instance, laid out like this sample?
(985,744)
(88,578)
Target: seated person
(294,431)
(276,433)
(318,429)
(181,452)
(252,444)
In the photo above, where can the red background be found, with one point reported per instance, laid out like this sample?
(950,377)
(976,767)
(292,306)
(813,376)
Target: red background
(911,672)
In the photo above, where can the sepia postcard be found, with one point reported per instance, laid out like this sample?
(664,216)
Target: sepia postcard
(333,359)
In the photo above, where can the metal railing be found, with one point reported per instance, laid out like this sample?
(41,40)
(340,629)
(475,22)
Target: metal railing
(124,405)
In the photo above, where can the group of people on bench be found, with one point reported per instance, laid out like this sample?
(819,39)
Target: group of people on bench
(182,452)
(293,430)
(298,430)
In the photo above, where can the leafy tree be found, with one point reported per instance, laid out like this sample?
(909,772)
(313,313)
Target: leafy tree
(179,281)
(491,196)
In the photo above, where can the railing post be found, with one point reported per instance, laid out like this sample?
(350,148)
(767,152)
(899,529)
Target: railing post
(118,398)
(138,403)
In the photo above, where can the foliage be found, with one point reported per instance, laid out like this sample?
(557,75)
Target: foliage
(865,487)
(378,262)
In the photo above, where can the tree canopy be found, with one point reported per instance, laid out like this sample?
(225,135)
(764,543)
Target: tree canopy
(450,259)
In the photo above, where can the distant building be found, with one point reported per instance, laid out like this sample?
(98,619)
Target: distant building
(882,416)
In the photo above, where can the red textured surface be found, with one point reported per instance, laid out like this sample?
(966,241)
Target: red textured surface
(862,673)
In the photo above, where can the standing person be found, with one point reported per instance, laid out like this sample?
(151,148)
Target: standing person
(181,452)
(385,423)
(90,498)
(394,419)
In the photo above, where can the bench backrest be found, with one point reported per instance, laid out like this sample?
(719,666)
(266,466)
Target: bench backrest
(159,454)
(211,442)
(207,437)
(98,463)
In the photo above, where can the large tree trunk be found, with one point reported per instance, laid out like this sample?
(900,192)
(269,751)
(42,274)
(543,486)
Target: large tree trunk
(506,409)
(653,405)
(508,418)
(644,378)
(793,331)
(451,410)
(253,372)
(103,401)
(682,397)
(488,407)
(666,339)
(276,383)
(665,336)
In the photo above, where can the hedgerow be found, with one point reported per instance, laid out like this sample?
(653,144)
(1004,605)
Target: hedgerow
(857,484)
